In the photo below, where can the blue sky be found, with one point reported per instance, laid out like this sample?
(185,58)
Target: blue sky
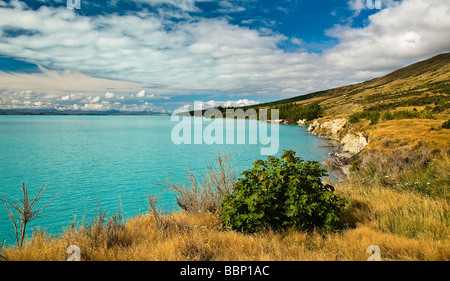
(157,55)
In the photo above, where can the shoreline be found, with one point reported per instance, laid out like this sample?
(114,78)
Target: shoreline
(373,217)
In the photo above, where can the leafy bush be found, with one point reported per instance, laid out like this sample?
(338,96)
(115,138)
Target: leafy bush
(405,114)
(372,115)
(284,193)
(354,118)
(388,116)
(446,124)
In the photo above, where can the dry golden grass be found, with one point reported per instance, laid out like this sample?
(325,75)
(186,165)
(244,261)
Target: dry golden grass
(203,243)
(403,223)
(408,133)
(204,193)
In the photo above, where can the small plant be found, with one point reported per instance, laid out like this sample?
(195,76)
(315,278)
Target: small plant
(22,212)
(373,116)
(354,118)
(405,114)
(446,124)
(102,232)
(2,255)
(284,193)
(204,193)
(388,116)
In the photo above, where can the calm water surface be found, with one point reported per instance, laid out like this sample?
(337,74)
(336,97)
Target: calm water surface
(108,160)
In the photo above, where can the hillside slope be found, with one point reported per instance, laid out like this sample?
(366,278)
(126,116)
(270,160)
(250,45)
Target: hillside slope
(423,83)
(404,109)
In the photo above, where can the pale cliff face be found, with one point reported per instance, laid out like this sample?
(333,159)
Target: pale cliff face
(352,142)
(332,128)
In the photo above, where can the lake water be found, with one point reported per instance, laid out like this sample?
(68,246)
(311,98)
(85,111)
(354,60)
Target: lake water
(108,160)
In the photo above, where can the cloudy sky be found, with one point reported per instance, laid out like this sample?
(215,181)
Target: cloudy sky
(158,55)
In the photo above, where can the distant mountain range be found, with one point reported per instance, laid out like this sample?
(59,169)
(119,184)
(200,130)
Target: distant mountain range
(26,111)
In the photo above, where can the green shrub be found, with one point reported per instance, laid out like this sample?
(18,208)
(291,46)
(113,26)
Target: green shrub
(405,114)
(441,108)
(373,116)
(388,116)
(426,114)
(354,118)
(284,193)
(446,124)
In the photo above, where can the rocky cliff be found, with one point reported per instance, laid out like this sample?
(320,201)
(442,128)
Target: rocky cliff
(339,129)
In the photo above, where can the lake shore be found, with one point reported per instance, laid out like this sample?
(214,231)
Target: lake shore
(400,206)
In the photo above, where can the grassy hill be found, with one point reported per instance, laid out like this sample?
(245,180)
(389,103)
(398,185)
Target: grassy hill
(403,109)
(424,83)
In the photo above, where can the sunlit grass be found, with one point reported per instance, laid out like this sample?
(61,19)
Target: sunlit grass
(406,225)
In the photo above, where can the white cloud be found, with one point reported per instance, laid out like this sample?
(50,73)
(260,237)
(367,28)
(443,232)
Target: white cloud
(146,51)
(141,94)
(184,5)
(34,100)
(109,95)
(412,30)
(228,7)
(297,41)
(291,92)
(214,104)
(72,97)
(357,5)
(239,103)
(94,99)
(206,54)
(93,106)
(62,83)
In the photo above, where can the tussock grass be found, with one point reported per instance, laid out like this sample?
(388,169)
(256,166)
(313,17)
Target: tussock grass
(408,134)
(203,193)
(423,170)
(199,237)
(403,192)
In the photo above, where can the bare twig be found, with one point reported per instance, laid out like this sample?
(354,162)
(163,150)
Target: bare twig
(24,212)
(2,256)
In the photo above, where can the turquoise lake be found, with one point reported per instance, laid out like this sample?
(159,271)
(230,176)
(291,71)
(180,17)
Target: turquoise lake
(112,161)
